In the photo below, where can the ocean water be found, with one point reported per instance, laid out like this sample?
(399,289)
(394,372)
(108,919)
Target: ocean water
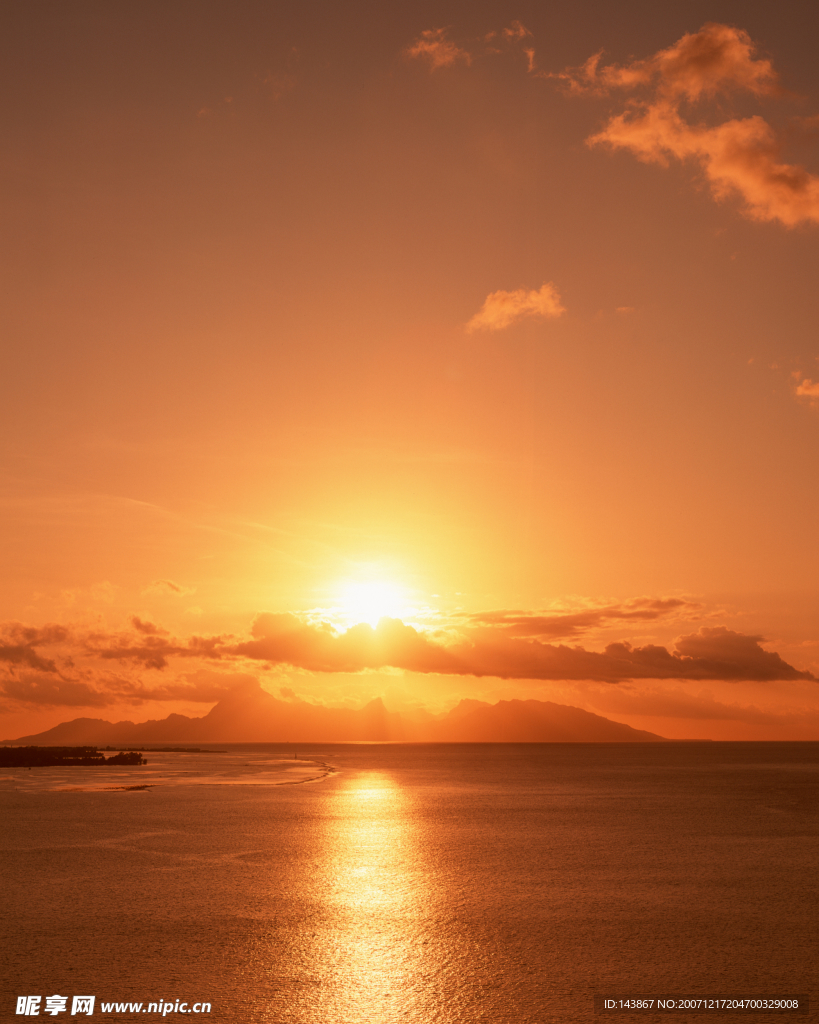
(343,884)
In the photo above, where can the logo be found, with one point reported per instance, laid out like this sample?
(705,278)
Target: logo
(29,1006)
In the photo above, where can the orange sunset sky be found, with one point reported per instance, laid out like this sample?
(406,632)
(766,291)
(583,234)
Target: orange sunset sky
(493,322)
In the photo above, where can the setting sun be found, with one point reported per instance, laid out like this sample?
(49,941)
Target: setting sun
(369,602)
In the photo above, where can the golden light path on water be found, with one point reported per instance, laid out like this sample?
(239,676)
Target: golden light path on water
(370,915)
(374,955)
(371,896)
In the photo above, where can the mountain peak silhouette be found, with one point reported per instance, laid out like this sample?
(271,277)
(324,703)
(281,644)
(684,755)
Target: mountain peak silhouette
(249,714)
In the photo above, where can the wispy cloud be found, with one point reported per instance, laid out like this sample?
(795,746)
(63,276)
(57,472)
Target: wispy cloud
(501,309)
(739,156)
(439,51)
(433,46)
(168,587)
(711,703)
(516,32)
(572,623)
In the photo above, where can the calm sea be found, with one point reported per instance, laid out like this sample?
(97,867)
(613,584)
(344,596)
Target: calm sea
(386,883)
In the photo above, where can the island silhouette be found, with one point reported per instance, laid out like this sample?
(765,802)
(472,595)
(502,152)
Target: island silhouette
(249,714)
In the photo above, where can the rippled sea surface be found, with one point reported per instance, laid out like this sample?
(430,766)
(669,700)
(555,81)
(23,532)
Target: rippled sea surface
(383,883)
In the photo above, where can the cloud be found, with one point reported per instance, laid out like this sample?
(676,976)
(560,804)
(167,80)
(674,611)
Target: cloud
(504,308)
(146,627)
(807,389)
(91,686)
(671,703)
(569,624)
(285,639)
(730,656)
(152,651)
(168,587)
(740,156)
(201,687)
(516,32)
(704,705)
(716,59)
(18,643)
(738,655)
(712,653)
(94,669)
(433,46)
(52,691)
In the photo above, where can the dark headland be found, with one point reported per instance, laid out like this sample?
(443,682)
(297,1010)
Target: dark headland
(63,757)
(250,714)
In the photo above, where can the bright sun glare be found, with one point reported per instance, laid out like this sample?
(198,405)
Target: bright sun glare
(369,602)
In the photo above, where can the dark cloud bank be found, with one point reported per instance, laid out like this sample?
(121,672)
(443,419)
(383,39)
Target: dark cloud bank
(711,653)
(56,666)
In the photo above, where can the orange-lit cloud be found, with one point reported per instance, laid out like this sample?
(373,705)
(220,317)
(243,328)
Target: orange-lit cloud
(286,639)
(740,156)
(573,623)
(501,309)
(146,627)
(716,59)
(433,46)
(47,690)
(516,32)
(95,669)
(19,643)
(105,690)
(808,389)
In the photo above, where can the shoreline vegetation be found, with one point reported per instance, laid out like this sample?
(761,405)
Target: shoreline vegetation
(171,750)
(63,757)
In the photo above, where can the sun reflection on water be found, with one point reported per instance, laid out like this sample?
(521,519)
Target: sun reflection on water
(372,955)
